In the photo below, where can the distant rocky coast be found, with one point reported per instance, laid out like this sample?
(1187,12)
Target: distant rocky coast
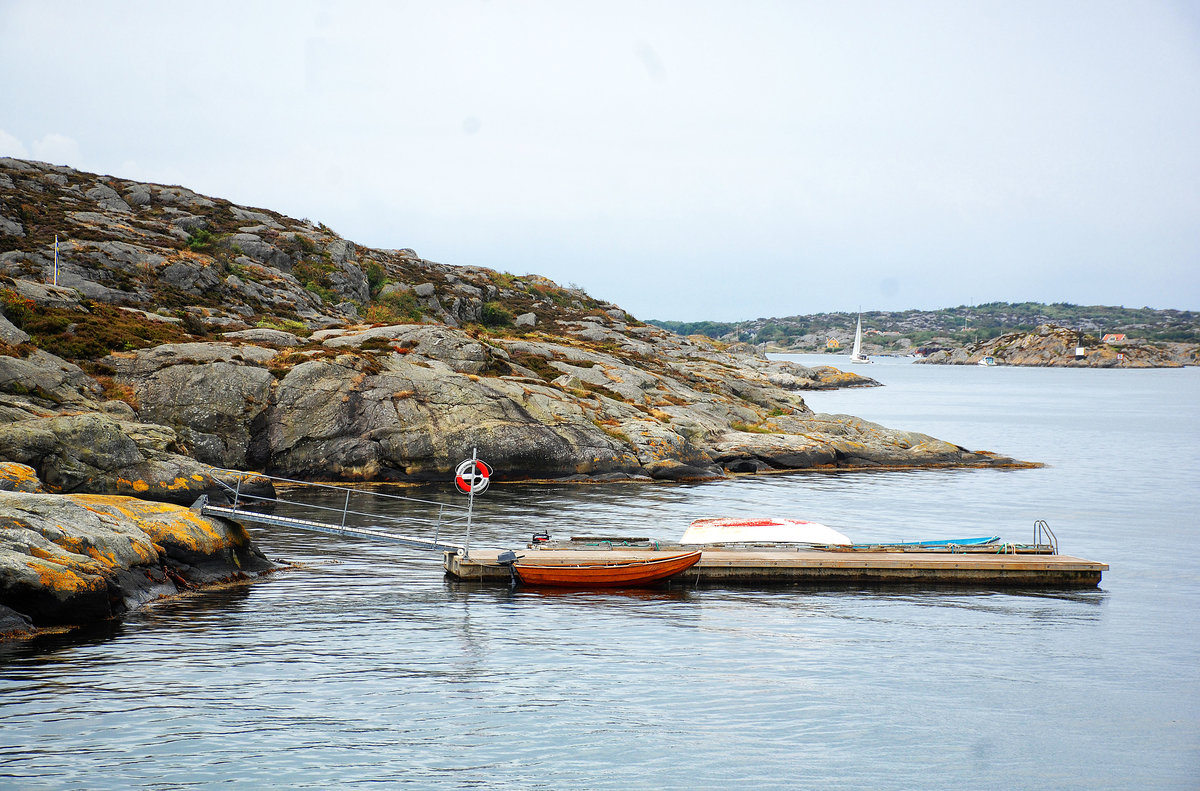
(1051,345)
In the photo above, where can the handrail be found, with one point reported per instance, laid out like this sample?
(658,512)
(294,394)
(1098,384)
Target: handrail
(240,499)
(1041,526)
(345,510)
(244,473)
(323,527)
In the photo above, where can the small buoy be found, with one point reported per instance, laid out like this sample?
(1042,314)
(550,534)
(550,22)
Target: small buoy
(472,476)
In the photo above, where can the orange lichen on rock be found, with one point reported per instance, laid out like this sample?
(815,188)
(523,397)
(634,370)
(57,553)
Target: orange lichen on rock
(57,577)
(107,558)
(18,478)
(166,524)
(42,554)
(178,483)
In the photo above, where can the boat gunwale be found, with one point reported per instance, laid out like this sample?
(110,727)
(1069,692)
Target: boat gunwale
(616,565)
(607,575)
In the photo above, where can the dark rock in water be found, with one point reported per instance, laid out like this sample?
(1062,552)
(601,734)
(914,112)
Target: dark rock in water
(671,470)
(14,625)
(742,466)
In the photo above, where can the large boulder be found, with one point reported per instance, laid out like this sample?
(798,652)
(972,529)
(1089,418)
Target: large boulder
(97,453)
(48,380)
(10,333)
(259,250)
(107,197)
(839,441)
(456,349)
(76,559)
(417,419)
(216,408)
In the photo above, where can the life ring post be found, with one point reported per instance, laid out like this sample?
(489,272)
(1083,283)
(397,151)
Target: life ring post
(471,477)
(470,508)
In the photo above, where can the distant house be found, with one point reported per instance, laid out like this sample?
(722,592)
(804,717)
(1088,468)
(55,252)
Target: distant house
(832,343)
(1113,337)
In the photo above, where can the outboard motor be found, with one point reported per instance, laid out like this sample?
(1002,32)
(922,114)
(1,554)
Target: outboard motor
(508,558)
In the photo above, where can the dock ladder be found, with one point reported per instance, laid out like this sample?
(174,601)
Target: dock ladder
(1040,529)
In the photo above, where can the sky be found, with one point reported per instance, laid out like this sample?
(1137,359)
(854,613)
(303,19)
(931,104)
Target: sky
(685,160)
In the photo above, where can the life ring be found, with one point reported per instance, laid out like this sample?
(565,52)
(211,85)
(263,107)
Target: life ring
(472,476)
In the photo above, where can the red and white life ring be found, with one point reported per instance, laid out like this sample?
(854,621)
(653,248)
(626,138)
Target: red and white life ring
(472,476)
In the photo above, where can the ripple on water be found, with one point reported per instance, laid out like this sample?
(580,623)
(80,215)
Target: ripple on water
(365,667)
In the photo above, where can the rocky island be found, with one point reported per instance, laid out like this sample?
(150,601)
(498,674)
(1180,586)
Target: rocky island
(172,335)
(1153,337)
(1055,346)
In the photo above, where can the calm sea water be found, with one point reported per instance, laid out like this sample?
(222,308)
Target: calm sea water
(365,667)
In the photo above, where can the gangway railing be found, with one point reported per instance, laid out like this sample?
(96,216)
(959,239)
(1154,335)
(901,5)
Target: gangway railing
(242,507)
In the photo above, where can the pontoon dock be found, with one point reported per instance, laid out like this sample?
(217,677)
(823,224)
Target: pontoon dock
(770,565)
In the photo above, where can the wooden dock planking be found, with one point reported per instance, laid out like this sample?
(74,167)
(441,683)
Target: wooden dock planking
(776,566)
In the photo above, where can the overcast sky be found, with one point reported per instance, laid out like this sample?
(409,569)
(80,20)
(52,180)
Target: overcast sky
(686,160)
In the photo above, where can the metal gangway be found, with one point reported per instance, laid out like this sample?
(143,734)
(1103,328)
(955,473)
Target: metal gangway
(247,507)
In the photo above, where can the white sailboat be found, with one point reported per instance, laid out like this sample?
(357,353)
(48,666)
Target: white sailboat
(856,356)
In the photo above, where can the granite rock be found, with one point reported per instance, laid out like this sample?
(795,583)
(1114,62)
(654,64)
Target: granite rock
(77,559)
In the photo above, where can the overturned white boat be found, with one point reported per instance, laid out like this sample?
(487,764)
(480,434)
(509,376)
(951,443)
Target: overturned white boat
(761,531)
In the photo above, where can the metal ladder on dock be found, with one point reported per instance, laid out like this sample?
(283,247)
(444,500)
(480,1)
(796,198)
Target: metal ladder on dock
(1042,530)
(243,507)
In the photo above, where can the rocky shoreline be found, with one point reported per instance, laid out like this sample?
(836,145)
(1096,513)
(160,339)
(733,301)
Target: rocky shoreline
(71,560)
(187,336)
(254,341)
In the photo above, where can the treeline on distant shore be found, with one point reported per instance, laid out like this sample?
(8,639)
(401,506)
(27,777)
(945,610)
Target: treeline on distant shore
(963,324)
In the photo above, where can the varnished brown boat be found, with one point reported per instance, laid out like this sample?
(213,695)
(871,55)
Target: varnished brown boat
(627,574)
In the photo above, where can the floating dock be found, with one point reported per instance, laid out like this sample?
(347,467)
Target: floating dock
(967,563)
(998,566)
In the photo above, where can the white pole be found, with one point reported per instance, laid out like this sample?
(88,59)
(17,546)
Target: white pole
(470,506)
(56,259)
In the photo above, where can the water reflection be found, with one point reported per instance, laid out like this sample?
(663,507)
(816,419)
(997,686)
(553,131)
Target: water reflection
(45,646)
(365,666)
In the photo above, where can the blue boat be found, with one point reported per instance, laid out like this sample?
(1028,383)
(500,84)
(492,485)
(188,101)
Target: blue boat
(957,542)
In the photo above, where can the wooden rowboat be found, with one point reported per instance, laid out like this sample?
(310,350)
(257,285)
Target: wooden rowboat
(626,574)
